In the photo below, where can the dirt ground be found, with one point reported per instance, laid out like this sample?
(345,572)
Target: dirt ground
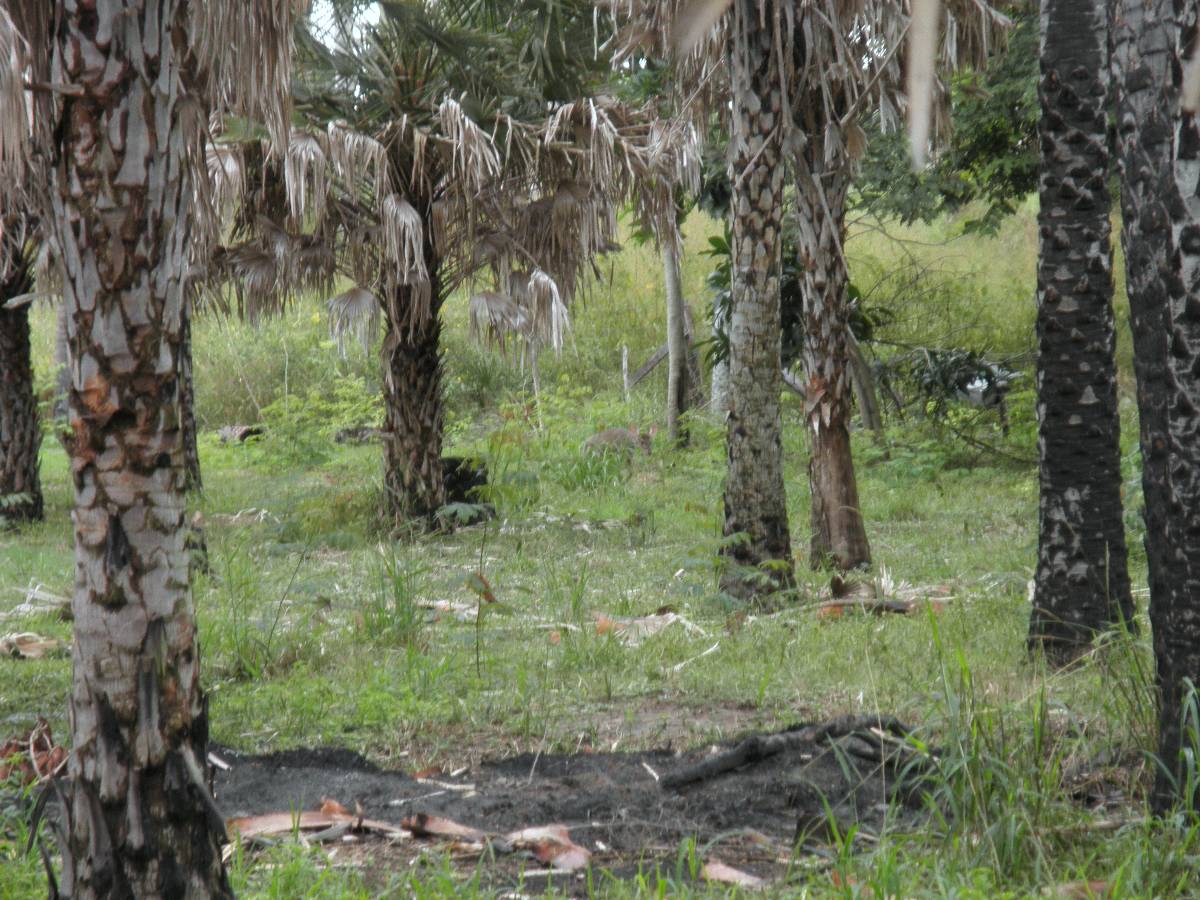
(745,802)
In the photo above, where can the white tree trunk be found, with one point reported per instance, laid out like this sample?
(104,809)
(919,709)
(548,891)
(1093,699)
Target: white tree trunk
(139,819)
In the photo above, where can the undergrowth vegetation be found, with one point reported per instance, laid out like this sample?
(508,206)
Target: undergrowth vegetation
(320,629)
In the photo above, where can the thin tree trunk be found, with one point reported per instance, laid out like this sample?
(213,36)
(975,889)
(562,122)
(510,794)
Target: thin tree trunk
(62,360)
(1158,237)
(139,818)
(1082,582)
(412,445)
(838,533)
(863,382)
(20,433)
(187,404)
(677,345)
(760,559)
(718,397)
(693,397)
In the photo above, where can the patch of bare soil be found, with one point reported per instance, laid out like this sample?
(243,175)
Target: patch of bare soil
(745,802)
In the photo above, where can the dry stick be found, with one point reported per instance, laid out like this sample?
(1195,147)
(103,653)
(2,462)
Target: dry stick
(760,747)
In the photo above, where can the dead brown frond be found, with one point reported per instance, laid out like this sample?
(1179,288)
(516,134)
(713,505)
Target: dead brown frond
(14,116)
(354,315)
(244,50)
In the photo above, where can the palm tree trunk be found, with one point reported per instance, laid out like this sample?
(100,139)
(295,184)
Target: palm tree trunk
(20,433)
(838,533)
(755,505)
(1082,581)
(1147,60)
(412,444)
(677,343)
(139,819)
(187,404)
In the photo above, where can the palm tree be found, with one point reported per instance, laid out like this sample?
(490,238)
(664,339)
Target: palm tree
(115,125)
(20,432)
(1157,150)
(436,146)
(828,66)
(1082,581)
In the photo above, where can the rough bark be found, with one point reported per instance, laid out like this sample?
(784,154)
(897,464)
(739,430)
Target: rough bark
(20,432)
(1160,249)
(412,439)
(677,343)
(1081,586)
(755,506)
(839,536)
(139,819)
(1179,728)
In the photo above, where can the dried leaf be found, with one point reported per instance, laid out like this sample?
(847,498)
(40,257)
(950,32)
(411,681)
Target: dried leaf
(331,813)
(462,611)
(423,824)
(552,846)
(719,873)
(27,645)
(1079,890)
(333,808)
(33,756)
(280,823)
(479,585)
(634,631)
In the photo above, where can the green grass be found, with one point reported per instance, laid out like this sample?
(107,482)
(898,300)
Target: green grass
(313,634)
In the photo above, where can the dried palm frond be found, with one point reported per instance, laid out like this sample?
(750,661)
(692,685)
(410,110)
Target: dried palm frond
(226,176)
(404,237)
(14,114)
(359,158)
(304,173)
(531,309)
(244,50)
(354,314)
(846,57)
(28,101)
(494,317)
(424,189)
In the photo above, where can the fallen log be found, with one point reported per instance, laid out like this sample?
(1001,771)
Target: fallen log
(760,746)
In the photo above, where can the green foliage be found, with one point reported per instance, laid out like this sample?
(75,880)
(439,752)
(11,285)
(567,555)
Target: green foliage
(10,502)
(992,155)
(865,320)
(300,429)
(311,634)
(390,614)
(241,370)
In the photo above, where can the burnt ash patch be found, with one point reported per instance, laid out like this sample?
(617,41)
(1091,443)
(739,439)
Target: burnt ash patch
(759,794)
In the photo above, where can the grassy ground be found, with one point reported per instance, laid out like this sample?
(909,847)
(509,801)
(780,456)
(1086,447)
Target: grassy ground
(314,632)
